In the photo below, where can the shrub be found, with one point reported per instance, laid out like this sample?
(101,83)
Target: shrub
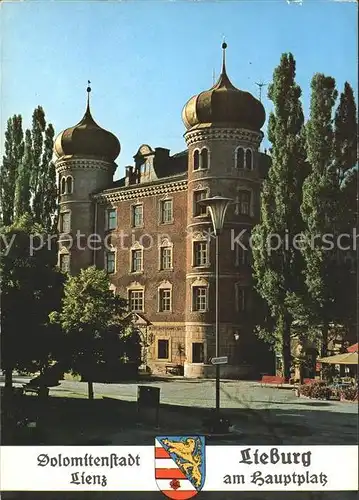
(349,393)
(317,390)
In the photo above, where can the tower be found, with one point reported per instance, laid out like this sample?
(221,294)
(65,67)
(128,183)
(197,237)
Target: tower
(223,137)
(85,164)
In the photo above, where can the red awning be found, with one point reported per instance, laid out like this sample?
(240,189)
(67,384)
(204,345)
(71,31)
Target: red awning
(353,348)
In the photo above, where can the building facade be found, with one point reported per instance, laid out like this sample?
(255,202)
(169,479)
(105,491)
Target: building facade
(151,234)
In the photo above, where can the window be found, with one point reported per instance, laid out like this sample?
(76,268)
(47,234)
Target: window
(163,349)
(241,299)
(65,262)
(111,219)
(137,215)
(110,262)
(199,208)
(204,159)
(200,253)
(196,160)
(164,300)
(240,158)
(249,159)
(166,211)
(63,185)
(197,352)
(244,202)
(166,257)
(65,222)
(199,298)
(136,300)
(242,256)
(136,260)
(69,185)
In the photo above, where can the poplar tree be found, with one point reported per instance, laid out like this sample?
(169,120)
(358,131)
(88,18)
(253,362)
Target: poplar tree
(277,273)
(14,150)
(22,189)
(320,208)
(345,162)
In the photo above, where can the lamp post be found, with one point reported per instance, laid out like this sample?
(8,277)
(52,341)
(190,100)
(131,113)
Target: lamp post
(217,208)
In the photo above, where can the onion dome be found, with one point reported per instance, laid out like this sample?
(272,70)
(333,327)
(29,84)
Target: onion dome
(87,139)
(224,105)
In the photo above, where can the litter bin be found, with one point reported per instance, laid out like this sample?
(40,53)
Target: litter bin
(148,396)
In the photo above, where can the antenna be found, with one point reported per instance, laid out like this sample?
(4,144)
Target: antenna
(260,85)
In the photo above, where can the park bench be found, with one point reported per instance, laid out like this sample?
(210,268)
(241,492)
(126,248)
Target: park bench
(40,390)
(272,380)
(172,369)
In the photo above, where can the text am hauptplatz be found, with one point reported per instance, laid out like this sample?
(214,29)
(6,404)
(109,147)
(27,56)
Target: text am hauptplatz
(274,457)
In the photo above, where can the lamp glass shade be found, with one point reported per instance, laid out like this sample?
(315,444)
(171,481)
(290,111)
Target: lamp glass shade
(217,208)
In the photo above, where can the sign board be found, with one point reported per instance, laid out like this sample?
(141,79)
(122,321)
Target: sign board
(223,360)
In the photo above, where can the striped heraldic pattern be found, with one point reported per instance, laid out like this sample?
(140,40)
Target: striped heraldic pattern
(180,465)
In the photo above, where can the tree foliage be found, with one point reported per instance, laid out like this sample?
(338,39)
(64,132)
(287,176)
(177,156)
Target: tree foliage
(277,272)
(27,176)
(91,316)
(320,207)
(14,151)
(31,289)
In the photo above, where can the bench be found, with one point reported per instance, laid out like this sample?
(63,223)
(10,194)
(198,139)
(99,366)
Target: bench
(272,379)
(172,369)
(37,389)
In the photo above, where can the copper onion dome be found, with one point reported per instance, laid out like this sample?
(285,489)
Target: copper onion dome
(224,105)
(87,139)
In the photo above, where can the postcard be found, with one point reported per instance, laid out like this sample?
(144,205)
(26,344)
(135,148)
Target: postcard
(179,250)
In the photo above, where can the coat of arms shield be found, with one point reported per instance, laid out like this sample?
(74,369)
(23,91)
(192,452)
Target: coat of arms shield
(180,465)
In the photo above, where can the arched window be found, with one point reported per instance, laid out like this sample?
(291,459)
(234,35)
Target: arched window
(249,159)
(69,185)
(196,160)
(204,159)
(63,185)
(240,158)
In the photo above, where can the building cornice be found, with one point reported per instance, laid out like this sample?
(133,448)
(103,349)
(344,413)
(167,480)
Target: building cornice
(64,164)
(123,194)
(223,134)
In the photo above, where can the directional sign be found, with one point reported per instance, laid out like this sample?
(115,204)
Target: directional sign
(223,360)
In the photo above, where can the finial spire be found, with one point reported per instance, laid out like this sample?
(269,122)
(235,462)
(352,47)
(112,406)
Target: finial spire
(224,46)
(88,90)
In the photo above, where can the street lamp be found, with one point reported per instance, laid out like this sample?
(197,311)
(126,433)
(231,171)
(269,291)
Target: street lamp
(217,208)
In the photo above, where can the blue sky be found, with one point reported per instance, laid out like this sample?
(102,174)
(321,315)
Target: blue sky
(145,59)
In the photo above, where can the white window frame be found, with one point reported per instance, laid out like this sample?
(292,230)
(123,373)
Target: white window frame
(133,208)
(194,288)
(132,290)
(196,243)
(108,210)
(196,191)
(106,253)
(161,211)
(168,245)
(164,286)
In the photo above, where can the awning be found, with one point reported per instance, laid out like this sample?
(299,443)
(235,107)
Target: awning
(348,358)
(353,348)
